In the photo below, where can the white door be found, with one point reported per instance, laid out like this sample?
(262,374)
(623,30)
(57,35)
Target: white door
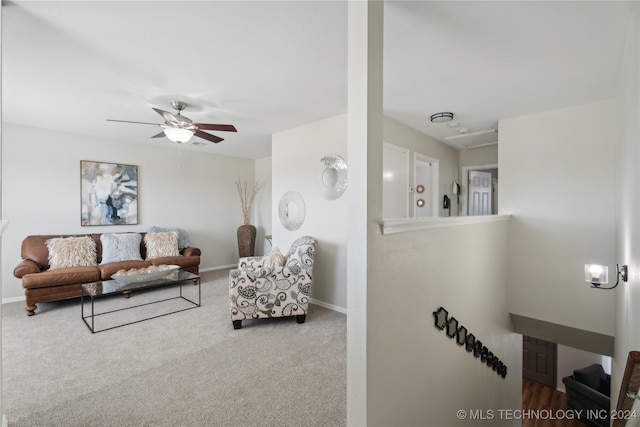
(479,193)
(395,182)
(425,199)
(424,188)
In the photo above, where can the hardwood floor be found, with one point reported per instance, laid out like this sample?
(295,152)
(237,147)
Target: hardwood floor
(547,402)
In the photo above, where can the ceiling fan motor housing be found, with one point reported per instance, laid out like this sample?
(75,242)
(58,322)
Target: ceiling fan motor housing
(179,105)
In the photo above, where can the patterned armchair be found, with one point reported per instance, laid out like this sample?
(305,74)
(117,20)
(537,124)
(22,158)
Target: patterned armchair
(258,291)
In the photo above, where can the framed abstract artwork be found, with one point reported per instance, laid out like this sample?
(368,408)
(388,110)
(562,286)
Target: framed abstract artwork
(109,193)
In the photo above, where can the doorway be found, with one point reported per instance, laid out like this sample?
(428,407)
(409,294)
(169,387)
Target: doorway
(481,195)
(539,360)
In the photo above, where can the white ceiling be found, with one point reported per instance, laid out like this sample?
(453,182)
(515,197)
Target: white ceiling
(268,66)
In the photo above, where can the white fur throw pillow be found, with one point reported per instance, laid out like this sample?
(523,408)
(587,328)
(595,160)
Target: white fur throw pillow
(76,251)
(161,244)
(274,259)
(120,247)
(183,236)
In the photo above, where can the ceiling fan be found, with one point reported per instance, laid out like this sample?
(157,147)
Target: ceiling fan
(180,129)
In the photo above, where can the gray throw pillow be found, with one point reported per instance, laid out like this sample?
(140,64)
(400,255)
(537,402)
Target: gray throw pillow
(120,247)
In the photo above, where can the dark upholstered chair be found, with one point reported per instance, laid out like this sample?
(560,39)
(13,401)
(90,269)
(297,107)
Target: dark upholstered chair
(588,392)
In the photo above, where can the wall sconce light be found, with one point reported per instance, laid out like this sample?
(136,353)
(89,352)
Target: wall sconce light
(598,275)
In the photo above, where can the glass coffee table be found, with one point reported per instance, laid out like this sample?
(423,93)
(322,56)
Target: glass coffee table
(183,289)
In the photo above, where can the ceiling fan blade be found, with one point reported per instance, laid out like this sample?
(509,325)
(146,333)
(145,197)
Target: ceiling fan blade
(159,135)
(208,137)
(168,117)
(207,126)
(128,121)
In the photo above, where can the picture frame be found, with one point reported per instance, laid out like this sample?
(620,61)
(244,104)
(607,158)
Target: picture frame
(108,193)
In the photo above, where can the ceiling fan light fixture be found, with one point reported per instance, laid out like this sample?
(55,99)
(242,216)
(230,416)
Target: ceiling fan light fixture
(441,117)
(178,135)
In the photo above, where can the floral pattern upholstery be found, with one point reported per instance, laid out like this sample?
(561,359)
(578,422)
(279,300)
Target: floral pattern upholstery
(257,292)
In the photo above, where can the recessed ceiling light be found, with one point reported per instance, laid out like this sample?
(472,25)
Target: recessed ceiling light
(441,117)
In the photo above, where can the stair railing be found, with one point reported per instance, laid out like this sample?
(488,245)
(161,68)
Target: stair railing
(628,389)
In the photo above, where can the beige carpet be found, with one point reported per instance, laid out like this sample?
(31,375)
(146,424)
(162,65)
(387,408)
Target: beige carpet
(185,369)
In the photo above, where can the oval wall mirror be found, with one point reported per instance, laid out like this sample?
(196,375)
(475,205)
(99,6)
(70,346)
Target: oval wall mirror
(291,210)
(333,176)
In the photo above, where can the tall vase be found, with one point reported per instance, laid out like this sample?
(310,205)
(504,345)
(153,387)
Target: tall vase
(246,240)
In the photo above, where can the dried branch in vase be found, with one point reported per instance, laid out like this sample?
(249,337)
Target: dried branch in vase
(247,197)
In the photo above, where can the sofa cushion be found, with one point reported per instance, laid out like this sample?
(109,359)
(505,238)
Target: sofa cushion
(183,261)
(592,376)
(61,276)
(183,237)
(75,251)
(161,244)
(120,247)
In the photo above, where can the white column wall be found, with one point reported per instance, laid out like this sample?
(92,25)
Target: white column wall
(364,108)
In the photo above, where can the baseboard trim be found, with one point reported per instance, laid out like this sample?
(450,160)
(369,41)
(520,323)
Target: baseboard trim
(329,306)
(220,267)
(13,299)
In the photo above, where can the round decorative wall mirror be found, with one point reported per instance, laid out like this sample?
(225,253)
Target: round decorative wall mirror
(420,203)
(291,210)
(333,176)
(420,188)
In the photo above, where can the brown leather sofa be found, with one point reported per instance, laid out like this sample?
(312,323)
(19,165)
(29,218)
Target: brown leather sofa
(43,285)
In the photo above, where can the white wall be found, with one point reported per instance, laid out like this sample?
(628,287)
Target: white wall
(177,187)
(628,203)
(1,218)
(557,180)
(479,156)
(263,210)
(418,375)
(296,166)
